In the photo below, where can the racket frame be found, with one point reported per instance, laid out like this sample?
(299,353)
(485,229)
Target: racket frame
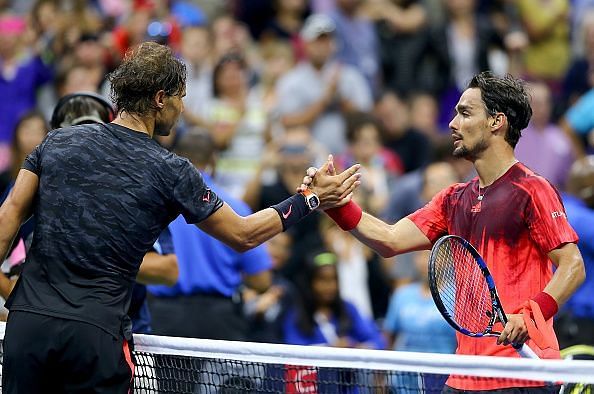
(496,307)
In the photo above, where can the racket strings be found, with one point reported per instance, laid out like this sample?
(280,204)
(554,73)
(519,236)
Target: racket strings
(462,287)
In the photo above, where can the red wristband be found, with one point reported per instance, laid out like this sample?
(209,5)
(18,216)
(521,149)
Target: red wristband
(347,216)
(548,305)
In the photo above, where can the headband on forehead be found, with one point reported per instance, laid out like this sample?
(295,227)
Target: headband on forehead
(326,258)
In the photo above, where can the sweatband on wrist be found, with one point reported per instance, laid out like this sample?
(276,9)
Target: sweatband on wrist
(347,217)
(548,305)
(292,210)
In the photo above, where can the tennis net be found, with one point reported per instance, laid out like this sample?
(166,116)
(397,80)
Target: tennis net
(182,365)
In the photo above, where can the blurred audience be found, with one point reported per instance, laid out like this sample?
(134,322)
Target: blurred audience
(411,146)
(544,148)
(575,322)
(278,84)
(319,91)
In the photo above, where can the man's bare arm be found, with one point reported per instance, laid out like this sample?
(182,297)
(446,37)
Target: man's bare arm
(390,240)
(569,275)
(244,233)
(15,209)
(157,269)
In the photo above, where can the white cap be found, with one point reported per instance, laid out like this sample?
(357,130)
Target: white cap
(316,25)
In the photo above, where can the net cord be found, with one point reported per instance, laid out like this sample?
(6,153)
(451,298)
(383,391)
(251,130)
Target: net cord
(567,371)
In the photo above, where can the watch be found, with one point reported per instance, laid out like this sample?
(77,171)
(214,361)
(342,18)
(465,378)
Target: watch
(311,199)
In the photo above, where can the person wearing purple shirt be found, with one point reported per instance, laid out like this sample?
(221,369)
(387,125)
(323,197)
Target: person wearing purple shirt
(544,147)
(21,73)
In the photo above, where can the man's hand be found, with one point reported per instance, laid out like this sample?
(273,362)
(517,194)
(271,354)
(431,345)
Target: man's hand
(515,331)
(311,172)
(332,190)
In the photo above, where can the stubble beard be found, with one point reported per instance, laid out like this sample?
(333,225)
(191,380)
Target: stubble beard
(472,153)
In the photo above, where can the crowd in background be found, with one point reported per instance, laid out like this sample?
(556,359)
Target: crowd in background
(273,86)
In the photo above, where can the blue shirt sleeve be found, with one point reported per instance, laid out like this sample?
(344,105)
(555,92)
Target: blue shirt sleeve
(579,116)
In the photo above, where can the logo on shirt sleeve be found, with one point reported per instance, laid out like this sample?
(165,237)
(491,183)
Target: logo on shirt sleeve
(206,197)
(558,214)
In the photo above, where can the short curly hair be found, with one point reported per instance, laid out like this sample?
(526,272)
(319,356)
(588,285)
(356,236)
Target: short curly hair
(508,95)
(146,70)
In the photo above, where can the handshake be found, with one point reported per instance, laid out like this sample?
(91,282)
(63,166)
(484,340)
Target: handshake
(335,192)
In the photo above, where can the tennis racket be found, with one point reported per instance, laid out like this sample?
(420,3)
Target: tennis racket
(464,290)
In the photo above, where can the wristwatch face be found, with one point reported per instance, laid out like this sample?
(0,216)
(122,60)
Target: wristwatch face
(313,201)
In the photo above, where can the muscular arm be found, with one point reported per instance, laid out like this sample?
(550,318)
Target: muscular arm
(569,275)
(244,233)
(157,269)
(389,240)
(567,278)
(15,209)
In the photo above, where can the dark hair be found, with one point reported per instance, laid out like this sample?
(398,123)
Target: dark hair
(80,108)
(231,57)
(306,308)
(508,95)
(146,70)
(355,121)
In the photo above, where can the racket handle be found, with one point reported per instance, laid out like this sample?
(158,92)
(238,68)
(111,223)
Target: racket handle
(525,351)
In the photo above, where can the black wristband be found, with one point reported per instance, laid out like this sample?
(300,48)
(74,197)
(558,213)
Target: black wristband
(292,210)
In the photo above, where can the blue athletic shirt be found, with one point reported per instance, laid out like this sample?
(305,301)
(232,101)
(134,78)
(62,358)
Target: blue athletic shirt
(105,194)
(207,265)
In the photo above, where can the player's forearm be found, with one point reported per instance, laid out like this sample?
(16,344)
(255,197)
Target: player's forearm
(568,276)
(377,234)
(10,222)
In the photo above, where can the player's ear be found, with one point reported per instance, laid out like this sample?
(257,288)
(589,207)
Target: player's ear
(160,99)
(497,120)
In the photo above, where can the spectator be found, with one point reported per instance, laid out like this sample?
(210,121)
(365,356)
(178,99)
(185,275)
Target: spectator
(424,116)
(266,311)
(413,323)
(379,166)
(356,40)
(321,317)
(408,194)
(280,170)
(210,272)
(543,146)
(575,324)
(277,60)
(471,41)
(286,23)
(402,40)
(30,131)
(548,53)
(411,146)
(22,73)
(196,50)
(237,122)
(578,79)
(578,124)
(319,91)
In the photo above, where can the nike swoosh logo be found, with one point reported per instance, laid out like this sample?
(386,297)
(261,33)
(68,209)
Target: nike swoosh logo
(288,213)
